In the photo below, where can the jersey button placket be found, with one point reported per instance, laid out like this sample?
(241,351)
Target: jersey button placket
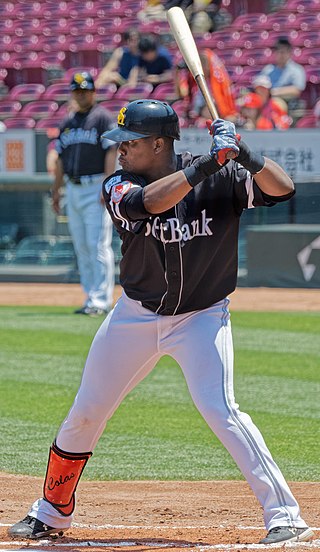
(173,277)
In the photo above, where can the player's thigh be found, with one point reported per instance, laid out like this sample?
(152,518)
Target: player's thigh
(206,354)
(122,353)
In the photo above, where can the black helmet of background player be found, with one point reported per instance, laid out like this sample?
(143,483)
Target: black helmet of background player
(82,81)
(143,118)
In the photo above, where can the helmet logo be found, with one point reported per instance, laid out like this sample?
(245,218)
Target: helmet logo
(79,78)
(121,116)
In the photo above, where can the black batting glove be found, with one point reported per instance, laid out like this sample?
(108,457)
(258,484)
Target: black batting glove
(253,162)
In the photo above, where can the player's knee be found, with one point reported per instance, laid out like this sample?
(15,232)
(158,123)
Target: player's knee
(89,416)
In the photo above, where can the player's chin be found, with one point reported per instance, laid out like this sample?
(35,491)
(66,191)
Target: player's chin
(123,163)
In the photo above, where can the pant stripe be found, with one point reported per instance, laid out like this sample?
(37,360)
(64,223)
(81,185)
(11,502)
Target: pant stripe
(250,438)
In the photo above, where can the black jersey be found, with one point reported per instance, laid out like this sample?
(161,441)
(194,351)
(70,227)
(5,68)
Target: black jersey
(80,146)
(185,259)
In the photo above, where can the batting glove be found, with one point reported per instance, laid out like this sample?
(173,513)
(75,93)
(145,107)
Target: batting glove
(225,143)
(224,147)
(220,126)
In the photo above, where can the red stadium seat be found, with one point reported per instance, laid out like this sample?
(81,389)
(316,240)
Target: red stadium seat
(27,92)
(58,92)
(106,92)
(49,122)
(165,91)
(128,92)
(9,107)
(308,121)
(114,106)
(40,108)
(20,122)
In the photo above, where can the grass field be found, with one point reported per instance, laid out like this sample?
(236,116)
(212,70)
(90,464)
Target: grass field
(156,433)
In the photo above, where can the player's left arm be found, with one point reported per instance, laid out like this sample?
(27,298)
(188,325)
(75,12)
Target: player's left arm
(268,175)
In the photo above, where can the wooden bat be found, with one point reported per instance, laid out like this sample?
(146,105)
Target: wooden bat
(183,36)
(182,33)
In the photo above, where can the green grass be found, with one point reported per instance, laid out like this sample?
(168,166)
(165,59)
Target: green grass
(156,433)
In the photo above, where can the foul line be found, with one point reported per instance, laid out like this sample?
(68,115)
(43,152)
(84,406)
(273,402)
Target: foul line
(199,548)
(93,527)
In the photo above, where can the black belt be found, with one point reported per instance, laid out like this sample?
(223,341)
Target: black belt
(75,180)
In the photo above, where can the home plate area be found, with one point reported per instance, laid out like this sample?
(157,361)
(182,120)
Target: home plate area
(155,515)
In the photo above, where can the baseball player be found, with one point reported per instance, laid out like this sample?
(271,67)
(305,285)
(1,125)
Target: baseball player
(178,219)
(85,158)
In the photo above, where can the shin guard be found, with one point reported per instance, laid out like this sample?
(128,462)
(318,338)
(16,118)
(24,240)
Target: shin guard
(63,473)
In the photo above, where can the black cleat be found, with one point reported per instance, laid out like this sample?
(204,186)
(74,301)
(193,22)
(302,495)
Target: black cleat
(32,528)
(287,534)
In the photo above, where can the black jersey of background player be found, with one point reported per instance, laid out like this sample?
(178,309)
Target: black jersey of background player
(185,259)
(80,146)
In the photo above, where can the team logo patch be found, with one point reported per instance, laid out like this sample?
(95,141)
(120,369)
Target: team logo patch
(120,190)
(112,182)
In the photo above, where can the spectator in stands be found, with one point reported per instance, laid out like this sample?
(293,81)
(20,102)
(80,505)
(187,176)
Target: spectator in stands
(218,81)
(287,77)
(154,64)
(258,110)
(274,110)
(123,59)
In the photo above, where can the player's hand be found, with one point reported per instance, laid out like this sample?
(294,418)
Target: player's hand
(225,142)
(221,126)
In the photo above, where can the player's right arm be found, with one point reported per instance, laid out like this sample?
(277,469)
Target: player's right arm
(57,185)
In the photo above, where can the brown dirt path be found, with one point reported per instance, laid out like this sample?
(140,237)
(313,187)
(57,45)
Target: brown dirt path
(260,299)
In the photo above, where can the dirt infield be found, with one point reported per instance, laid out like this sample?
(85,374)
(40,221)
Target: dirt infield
(157,515)
(261,299)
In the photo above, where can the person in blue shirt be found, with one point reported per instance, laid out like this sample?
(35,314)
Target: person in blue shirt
(123,59)
(154,64)
(288,78)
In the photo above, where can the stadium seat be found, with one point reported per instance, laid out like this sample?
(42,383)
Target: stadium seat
(49,122)
(308,121)
(114,106)
(27,92)
(165,91)
(62,253)
(39,108)
(34,250)
(20,122)
(248,21)
(58,92)
(9,108)
(128,92)
(106,92)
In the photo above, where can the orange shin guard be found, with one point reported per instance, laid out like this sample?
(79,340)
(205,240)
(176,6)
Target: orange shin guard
(63,473)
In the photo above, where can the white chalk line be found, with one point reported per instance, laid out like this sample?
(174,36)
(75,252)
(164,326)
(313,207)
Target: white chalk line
(156,527)
(191,547)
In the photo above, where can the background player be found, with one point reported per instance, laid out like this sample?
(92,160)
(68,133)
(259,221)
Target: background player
(178,218)
(85,158)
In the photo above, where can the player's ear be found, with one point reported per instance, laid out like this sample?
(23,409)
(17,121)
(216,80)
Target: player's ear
(158,145)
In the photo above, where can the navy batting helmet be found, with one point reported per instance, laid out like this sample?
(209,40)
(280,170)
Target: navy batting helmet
(142,118)
(82,81)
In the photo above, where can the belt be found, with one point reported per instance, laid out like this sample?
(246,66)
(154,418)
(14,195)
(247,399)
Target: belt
(86,180)
(75,180)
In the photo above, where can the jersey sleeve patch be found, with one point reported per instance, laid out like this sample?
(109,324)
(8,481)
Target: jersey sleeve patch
(119,190)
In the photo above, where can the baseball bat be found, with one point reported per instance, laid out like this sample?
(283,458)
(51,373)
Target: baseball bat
(182,33)
(183,36)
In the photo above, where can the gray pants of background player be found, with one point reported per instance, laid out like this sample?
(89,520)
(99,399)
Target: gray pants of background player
(126,348)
